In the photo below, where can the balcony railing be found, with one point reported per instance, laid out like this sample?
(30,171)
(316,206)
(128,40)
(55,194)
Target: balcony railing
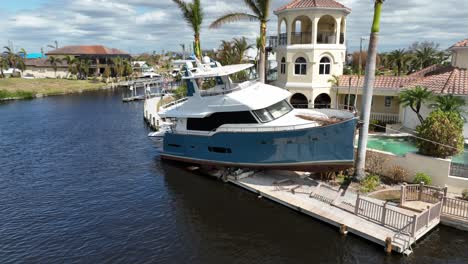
(341,38)
(385,117)
(326,38)
(280,40)
(301,38)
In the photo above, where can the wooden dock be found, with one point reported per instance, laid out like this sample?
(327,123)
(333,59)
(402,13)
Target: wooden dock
(390,226)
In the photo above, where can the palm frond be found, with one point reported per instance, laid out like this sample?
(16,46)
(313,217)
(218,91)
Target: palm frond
(232,17)
(253,5)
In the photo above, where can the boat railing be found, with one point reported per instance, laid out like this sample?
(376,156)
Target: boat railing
(265,128)
(237,87)
(174,103)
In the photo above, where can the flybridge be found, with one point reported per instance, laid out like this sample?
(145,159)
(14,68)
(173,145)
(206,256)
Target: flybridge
(206,71)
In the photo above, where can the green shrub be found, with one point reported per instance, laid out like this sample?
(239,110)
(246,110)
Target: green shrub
(465,194)
(370,183)
(445,128)
(422,177)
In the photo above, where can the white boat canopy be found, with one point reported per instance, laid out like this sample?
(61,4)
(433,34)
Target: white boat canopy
(209,72)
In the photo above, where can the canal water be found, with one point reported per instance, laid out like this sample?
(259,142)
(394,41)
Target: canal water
(81,183)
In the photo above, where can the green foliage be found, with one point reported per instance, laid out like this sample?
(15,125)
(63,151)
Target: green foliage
(181,91)
(422,177)
(446,128)
(414,98)
(370,183)
(17,94)
(233,52)
(450,103)
(193,15)
(465,194)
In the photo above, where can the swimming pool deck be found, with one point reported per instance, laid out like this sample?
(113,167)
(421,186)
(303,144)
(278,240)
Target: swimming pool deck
(325,203)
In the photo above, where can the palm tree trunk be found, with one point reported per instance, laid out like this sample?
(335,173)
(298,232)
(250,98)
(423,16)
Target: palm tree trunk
(197,46)
(368,92)
(262,62)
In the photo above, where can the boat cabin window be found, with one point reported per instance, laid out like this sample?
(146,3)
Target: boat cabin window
(273,112)
(216,120)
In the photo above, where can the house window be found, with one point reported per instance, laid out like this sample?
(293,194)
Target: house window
(300,67)
(388,101)
(283,65)
(325,66)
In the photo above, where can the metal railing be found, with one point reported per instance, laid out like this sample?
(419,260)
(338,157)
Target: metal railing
(459,170)
(301,38)
(237,87)
(435,195)
(384,215)
(283,39)
(455,207)
(326,38)
(421,192)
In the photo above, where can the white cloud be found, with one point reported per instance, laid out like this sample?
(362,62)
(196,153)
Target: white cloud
(147,25)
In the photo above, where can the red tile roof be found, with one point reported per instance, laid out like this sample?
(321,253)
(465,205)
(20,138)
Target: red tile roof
(87,50)
(312,3)
(463,43)
(438,79)
(445,80)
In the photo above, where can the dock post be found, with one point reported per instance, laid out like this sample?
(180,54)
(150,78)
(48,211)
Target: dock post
(415,220)
(388,245)
(356,207)
(403,194)
(428,215)
(344,230)
(384,212)
(421,186)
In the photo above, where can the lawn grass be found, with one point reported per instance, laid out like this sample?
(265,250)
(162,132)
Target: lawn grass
(30,88)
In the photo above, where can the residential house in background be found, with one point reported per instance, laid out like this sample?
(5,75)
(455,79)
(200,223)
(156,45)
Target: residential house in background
(99,56)
(441,80)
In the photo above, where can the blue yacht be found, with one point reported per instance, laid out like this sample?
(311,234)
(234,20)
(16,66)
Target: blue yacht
(251,125)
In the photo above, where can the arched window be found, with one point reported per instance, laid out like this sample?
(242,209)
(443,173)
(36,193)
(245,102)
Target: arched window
(300,67)
(283,66)
(325,66)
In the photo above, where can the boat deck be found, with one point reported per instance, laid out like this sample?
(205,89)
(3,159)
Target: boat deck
(326,204)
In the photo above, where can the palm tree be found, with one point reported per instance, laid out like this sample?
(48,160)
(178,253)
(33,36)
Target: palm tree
(425,57)
(10,56)
(241,46)
(3,65)
(450,103)
(260,12)
(54,61)
(414,98)
(368,91)
(118,67)
(193,15)
(71,63)
(398,58)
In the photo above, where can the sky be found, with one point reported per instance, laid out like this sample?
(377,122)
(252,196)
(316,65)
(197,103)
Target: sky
(139,26)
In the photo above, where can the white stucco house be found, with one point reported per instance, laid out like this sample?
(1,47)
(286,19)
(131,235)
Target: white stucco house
(310,48)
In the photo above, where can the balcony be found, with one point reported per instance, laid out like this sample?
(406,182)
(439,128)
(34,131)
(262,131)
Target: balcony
(326,38)
(301,38)
(280,40)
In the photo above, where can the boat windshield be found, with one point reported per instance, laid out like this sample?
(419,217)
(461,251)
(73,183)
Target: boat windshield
(273,112)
